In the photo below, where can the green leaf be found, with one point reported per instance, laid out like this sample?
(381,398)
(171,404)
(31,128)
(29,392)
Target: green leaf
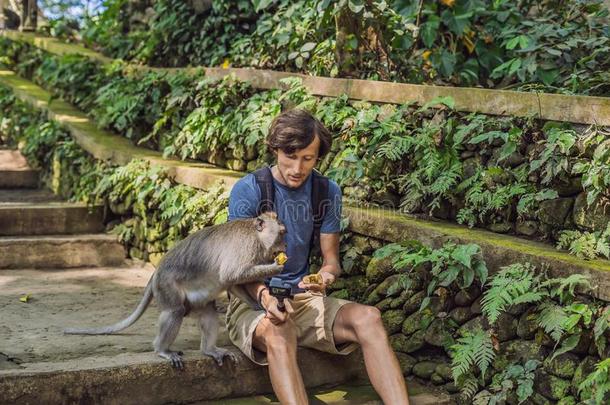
(444,100)
(512,43)
(507,149)
(523,41)
(514,66)
(568,344)
(488,137)
(308,47)
(463,254)
(447,62)
(468,277)
(480,269)
(448,276)
(425,302)
(429,30)
(356,6)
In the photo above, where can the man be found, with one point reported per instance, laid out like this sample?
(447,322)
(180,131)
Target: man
(271,336)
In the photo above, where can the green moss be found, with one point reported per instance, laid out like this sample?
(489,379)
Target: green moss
(563,365)
(559,387)
(567,401)
(392,320)
(341,294)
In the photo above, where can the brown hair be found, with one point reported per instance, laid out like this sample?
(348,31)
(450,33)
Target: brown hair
(295,129)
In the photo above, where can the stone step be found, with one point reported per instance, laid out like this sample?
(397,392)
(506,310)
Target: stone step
(49,218)
(19,178)
(144,378)
(60,251)
(347,394)
(21,195)
(15,171)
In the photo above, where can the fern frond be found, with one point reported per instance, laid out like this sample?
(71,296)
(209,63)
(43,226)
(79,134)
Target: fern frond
(597,384)
(485,354)
(469,387)
(512,285)
(552,318)
(475,348)
(565,287)
(396,147)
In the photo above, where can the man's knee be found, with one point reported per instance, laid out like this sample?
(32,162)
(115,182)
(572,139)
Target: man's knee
(367,321)
(269,336)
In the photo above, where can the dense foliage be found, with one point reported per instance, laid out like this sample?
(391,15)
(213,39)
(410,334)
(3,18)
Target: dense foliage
(551,46)
(505,174)
(552,312)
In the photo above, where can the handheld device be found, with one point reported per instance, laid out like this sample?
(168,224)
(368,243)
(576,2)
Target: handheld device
(280,289)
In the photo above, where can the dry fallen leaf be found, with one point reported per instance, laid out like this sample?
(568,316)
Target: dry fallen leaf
(24,298)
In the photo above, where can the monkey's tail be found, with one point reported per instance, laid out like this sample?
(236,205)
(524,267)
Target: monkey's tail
(130,320)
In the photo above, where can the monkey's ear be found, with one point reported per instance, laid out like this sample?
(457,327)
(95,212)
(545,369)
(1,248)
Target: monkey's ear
(260,224)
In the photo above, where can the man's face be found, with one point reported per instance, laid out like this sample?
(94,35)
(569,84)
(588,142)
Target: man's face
(294,168)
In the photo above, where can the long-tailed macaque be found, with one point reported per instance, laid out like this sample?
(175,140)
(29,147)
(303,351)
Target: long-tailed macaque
(195,271)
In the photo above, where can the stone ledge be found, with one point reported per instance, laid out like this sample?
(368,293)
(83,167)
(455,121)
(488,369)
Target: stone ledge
(49,218)
(19,178)
(384,224)
(498,249)
(104,145)
(60,251)
(136,378)
(556,107)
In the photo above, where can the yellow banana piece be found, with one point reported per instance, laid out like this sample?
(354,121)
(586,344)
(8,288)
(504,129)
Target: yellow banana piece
(281,258)
(313,279)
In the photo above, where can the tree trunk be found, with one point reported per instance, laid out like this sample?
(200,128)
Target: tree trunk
(29,15)
(347,27)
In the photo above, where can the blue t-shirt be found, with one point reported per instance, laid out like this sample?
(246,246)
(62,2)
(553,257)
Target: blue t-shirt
(293,206)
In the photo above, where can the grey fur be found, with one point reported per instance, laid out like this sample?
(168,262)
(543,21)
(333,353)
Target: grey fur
(195,271)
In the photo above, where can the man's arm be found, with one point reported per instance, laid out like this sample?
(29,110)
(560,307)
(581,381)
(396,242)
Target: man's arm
(331,263)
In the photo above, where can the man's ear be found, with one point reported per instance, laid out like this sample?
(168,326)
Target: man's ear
(260,224)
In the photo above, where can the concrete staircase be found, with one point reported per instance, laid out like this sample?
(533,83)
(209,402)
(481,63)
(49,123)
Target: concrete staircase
(38,230)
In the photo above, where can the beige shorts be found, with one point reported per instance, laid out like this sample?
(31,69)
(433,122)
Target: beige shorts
(314,317)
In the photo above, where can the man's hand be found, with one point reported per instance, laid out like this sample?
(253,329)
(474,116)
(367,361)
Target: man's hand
(274,314)
(327,279)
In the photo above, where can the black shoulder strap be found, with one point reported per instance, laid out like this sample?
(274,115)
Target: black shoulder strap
(319,204)
(264,179)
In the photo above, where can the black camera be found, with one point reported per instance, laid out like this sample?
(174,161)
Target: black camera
(280,289)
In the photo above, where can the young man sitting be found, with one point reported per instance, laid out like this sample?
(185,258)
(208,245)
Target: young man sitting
(271,336)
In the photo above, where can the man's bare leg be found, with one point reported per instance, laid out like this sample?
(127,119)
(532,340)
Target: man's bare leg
(362,324)
(280,344)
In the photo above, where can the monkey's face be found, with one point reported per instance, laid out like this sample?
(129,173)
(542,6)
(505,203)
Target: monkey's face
(271,231)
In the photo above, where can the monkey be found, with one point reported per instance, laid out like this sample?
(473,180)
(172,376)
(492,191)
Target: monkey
(196,270)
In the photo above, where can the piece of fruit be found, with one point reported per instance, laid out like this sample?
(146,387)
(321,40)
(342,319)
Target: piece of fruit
(281,258)
(313,279)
